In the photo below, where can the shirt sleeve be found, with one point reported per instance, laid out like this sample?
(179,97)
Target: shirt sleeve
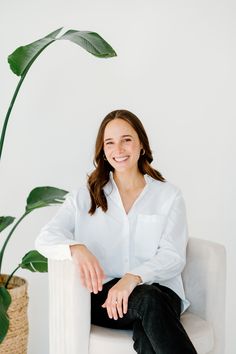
(170,258)
(57,235)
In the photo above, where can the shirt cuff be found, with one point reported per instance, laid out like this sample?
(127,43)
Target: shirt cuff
(146,277)
(58,252)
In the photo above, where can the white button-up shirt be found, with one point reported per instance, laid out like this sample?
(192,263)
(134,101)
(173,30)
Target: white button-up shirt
(149,241)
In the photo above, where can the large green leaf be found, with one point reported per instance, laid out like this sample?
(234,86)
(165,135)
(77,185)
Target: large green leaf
(90,41)
(35,262)
(5,221)
(5,300)
(22,58)
(41,197)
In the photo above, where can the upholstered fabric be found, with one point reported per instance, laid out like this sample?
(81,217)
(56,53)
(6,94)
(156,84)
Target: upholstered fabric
(200,332)
(204,281)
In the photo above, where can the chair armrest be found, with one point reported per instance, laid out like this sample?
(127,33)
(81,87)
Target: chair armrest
(204,280)
(69,309)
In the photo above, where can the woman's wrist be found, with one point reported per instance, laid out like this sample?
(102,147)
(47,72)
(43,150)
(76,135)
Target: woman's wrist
(136,278)
(76,246)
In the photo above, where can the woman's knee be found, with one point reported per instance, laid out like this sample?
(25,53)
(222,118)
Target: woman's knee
(147,296)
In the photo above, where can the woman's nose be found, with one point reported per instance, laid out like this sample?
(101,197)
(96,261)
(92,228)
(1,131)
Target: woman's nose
(119,148)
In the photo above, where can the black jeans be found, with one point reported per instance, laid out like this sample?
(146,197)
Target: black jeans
(153,314)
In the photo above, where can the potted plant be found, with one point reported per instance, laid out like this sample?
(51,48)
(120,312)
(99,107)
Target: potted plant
(13,289)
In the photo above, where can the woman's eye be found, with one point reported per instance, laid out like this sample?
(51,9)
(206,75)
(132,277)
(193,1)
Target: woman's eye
(128,139)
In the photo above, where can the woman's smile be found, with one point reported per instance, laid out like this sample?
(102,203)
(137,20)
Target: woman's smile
(121,159)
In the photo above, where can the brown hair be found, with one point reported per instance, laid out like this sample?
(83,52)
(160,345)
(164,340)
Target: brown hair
(100,176)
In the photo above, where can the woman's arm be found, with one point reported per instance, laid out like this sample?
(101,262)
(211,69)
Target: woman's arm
(170,257)
(57,235)
(56,241)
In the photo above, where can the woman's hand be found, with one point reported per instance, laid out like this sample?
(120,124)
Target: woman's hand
(91,273)
(117,298)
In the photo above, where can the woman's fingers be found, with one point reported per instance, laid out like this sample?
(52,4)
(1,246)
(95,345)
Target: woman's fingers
(107,304)
(97,276)
(91,273)
(100,276)
(114,307)
(94,279)
(125,304)
(110,305)
(87,278)
(119,305)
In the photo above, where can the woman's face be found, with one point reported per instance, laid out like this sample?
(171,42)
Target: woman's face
(121,145)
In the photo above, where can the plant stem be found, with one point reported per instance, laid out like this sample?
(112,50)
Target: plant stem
(15,95)
(9,112)
(9,236)
(10,276)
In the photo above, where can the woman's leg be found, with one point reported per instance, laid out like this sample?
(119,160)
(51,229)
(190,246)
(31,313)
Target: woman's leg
(153,313)
(158,309)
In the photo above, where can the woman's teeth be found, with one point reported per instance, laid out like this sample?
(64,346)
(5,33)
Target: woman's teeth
(120,159)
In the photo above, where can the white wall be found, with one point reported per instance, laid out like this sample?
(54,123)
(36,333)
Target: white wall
(175,69)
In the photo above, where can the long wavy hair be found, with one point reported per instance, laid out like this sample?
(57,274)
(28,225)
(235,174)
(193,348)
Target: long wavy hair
(100,176)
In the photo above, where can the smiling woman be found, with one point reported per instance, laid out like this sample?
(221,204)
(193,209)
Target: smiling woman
(122,146)
(126,232)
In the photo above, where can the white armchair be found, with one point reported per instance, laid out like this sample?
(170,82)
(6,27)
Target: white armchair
(204,321)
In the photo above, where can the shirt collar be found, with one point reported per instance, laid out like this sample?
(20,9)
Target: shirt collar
(111,187)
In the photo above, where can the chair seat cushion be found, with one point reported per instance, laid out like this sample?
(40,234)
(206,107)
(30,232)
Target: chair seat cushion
(116,341)
(199,331)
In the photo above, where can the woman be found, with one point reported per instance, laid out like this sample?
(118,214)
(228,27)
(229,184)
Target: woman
(126,232)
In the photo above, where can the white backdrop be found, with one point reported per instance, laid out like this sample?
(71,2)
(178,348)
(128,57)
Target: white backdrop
(175,69)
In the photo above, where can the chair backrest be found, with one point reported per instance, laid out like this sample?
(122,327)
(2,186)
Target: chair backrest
(204,280)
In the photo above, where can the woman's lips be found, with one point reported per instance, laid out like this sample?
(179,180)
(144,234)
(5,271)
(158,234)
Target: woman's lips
(120,159)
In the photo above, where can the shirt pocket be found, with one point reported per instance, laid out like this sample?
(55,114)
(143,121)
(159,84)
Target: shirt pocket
(147,236)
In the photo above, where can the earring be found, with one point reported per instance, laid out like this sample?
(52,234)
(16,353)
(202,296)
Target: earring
(104,157)
(143,152)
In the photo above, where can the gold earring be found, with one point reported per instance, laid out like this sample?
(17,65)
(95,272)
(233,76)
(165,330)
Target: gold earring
(143,152)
